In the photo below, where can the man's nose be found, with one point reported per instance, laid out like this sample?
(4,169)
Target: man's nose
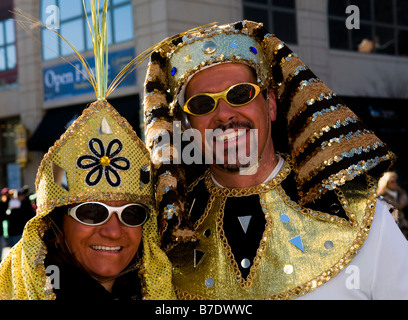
(225,112)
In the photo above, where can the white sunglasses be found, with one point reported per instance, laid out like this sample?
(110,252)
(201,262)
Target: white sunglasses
(97,213)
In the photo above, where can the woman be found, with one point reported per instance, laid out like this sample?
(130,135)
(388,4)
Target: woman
(95,232)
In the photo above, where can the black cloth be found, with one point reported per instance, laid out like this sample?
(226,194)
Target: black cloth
(19,216)
(244,245)
(71,283)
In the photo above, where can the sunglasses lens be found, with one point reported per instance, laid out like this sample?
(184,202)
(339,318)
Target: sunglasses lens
(201,104)
(134,215)
(92,213)
(241,94)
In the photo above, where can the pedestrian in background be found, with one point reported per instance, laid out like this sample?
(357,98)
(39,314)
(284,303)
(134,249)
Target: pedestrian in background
(3,208)
(391,192)
(18,213)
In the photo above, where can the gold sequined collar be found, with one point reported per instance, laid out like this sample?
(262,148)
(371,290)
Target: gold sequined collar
(239,192)
(275,183)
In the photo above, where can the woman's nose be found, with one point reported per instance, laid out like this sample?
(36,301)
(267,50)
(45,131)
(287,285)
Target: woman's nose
(112,228)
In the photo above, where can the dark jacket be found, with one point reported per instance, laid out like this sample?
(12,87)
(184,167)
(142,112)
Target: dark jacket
(3,216)
(19,216)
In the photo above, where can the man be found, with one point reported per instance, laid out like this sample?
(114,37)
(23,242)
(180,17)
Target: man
(20,211)
(280,226)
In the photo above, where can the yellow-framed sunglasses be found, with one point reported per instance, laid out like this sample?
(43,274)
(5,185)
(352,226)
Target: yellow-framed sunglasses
(237,95)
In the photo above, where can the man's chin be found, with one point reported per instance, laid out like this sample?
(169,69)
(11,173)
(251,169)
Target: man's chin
(229,168)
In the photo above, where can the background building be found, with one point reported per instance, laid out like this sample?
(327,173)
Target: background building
(358,47)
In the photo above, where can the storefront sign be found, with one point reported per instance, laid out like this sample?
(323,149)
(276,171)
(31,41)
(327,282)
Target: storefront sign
(63,81)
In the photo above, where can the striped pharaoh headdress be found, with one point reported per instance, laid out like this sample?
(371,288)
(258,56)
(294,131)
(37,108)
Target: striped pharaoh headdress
(328,144)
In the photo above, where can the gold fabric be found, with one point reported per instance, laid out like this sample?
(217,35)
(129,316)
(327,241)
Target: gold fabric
(280,269)
(22,273)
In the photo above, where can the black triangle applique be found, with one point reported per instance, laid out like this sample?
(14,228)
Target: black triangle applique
(198,255)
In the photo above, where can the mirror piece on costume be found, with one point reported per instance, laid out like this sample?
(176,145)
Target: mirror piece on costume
(209,282)
(105,128)
(60,176)
(245,263)
(328,244)
(297,242)
(244,220)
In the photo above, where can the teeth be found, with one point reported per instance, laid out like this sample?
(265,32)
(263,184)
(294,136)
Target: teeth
(229,135)
(105,248)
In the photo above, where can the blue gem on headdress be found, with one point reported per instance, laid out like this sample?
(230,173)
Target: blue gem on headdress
(173,71)
(233,45)
(209,47)
(253,50)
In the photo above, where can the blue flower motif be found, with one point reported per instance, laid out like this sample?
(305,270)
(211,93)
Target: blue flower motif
(102,162)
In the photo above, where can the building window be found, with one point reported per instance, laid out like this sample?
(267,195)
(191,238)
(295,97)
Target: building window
(69,20)
(8,51)
(278,16)
(383,26)
(8,56)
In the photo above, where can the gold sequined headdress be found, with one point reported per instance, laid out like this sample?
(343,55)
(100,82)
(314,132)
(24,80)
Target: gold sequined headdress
(99,157)
(328,144)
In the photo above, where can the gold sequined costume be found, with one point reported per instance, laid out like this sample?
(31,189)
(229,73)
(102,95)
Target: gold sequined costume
(299,249)
(328,189)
